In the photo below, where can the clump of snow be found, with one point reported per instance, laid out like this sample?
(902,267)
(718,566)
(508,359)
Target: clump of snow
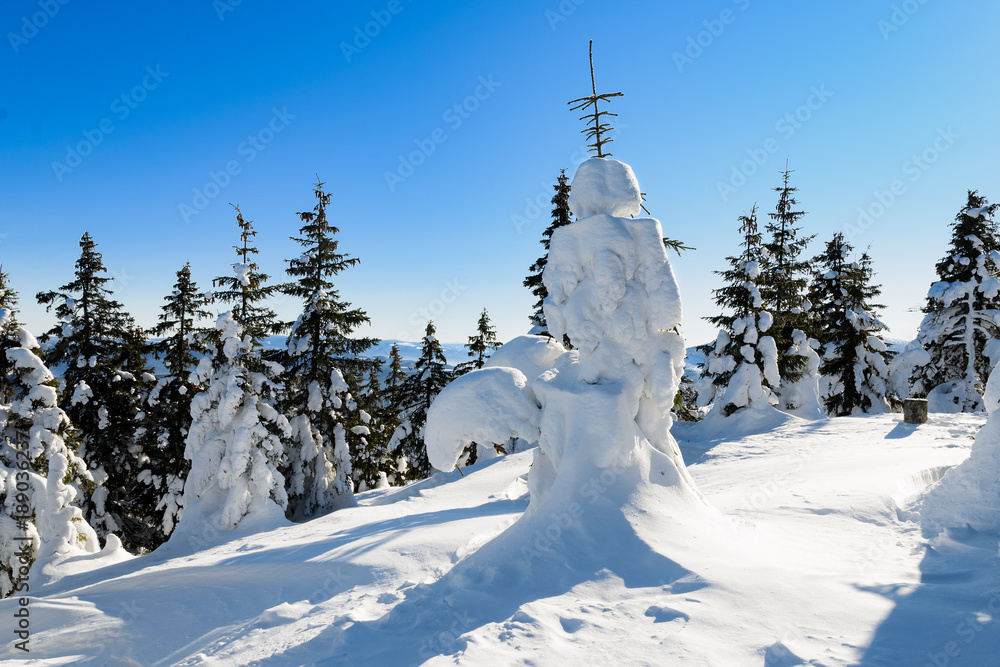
(485,406)
(948,397)
(532,355)
(604,186)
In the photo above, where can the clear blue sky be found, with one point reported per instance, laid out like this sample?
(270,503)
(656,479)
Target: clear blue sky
(162,95)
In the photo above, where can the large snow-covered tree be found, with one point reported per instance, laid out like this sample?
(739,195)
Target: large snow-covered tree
(741,368)
(322,363)
(426,380)
(854,369)
(237,439)
(560,218)
(104,381)
(180,346)
(41,474)
(962,308)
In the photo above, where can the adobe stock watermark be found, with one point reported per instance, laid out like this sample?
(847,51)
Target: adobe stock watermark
(122,107)
(714,28)
(223,7)
(785,127)
(363,35)
(913,169)
(31,25)
(455,116)
(562,12)
(450,293)
(970,628)
(899,17)
(248,150)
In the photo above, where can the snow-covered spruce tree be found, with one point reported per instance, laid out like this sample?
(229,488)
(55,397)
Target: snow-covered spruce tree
(480,345)
(741,368)
(237,439)
(961,309)
(370,460)
(560,218)
(854,369)
(428,377)
(168,414)
(41,474)
(783,281)
(388,417)
(321,365)
(103,391)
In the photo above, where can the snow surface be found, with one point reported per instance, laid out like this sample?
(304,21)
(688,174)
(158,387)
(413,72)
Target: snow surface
(604,186)
(821,563)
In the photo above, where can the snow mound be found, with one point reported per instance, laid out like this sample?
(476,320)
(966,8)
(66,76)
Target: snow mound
(604,186)
(532,355)
(969,494)
(489,405)
(947,398)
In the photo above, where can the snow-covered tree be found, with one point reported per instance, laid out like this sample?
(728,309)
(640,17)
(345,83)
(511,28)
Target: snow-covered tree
(321,365)
(375,422)
(961,310)
(104,385)
(783,279)
(560,218)
(854,369)
(428,377)
(237,439)
(41,473)
(168,414)
(480,345)
(741,368)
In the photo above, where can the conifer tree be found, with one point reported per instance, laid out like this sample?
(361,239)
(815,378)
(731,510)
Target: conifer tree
(853,353)
(168,413)
(740,370)
(961,308)
(370,458)
(237,439)
(41,473)
(323,368)
(104,386)
(480,345)
(247,291)
(560,218)
(429,377)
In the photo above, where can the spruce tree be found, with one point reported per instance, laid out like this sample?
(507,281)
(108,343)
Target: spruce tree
(247,291)
(560,218)
(961,308)
(430,375)
(323,369)
(181,346)
(370,460)
(104,386)
(480,345)
(853,353)
(41,473)
(237,439)
(740,370)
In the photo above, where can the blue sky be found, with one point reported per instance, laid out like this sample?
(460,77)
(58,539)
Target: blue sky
(184,107)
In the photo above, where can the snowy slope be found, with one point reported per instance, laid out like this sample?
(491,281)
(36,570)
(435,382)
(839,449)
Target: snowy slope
(822,562)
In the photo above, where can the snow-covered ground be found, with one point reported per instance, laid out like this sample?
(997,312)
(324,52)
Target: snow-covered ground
(820,563)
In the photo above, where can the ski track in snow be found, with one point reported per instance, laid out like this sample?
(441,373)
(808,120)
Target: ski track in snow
(823,566)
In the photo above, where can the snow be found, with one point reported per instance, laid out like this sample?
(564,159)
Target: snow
(485,406)
(532,355)
(822,563)
(604,186)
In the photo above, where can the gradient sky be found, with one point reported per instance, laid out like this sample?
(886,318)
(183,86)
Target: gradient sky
(162,95)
